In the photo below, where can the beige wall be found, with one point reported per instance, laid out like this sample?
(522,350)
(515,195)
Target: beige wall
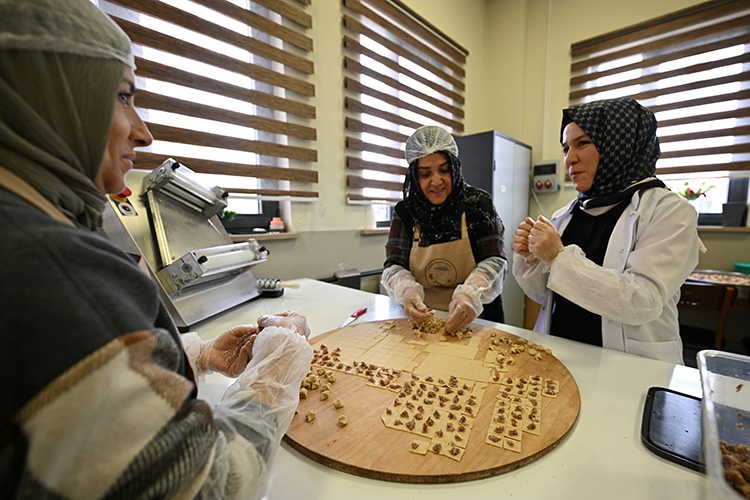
(517,84)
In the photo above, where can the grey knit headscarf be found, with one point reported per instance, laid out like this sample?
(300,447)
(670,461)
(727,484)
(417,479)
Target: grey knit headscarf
(61,62)
(624,133)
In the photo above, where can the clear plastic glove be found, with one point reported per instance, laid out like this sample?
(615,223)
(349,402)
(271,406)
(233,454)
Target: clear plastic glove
(461,312)
(402,286)
(520,242)
(262,399)
(544,240)
(229,353)
(483,284)
(288,319)
(414,306)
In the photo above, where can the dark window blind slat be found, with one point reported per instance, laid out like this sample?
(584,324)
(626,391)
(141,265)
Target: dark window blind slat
(150,100)
(197,138)
(734,149)
(147,160)
(676,20)
(699,169)
(353,65)
(360,182)
(655,60)
(742,94)
(707,134)
(708,117)
(357,126)
(359,145)
(360,164)
(663,43)
(158,71)
(288,11)
(358,107)
(650,94)
(361,197)
(273,192)
(259,22)
(355,86)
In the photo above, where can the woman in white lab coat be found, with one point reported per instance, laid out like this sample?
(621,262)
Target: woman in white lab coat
(607,268)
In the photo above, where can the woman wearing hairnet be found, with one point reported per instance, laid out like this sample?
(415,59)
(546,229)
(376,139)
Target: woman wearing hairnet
(608,267)
(99,397)
(445,248)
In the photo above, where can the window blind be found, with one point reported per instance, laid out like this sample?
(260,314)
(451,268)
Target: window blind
(400,73)
(691,69)
(224,89)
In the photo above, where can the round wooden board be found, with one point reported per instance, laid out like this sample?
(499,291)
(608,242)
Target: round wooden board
(366,447)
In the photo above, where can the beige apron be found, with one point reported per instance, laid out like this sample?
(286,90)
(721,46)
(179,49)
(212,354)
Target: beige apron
(22,189)
(441,267)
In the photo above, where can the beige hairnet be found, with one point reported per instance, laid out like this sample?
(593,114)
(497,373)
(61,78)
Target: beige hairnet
(65,26)
(427,140)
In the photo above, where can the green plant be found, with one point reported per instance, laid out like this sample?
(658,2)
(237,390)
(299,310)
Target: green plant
(228,214)
(693,194)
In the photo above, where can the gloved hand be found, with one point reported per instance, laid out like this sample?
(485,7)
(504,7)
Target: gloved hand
(544,240)
(414,306)
(229,353)
(461,312)
(258,407)
(288,319)
(402,286)
(520,242)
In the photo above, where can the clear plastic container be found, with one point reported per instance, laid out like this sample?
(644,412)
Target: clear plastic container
(725,378)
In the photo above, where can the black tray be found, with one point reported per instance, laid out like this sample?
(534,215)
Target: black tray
(671,427)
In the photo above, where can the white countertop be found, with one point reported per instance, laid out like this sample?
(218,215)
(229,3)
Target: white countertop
(602,457)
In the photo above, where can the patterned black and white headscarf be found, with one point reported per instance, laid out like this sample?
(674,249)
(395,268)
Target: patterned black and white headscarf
(624,133)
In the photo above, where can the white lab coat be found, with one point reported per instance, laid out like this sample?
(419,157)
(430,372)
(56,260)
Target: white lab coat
(653,249)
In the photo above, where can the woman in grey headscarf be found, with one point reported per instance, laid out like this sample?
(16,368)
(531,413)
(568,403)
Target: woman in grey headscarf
(103,397)
(608,267)
(445,247)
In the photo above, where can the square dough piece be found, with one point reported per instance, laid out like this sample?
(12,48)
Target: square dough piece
(470,411)
(533,402)
(449,449)
(552,384)
(460,439)
(532,427)
(495,440)
(512,445)
(393,422)
(513,433)
(497,429)
(421,448)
